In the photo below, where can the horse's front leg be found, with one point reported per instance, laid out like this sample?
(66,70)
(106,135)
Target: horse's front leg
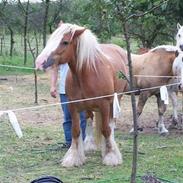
(140,106)
(75,155)
(110,152)
(161,110)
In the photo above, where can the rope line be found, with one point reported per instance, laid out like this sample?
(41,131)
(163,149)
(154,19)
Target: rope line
(153,76)
(145,76)
(17,67)
(88,99)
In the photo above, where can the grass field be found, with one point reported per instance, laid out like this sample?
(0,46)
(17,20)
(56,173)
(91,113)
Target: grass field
(39,152)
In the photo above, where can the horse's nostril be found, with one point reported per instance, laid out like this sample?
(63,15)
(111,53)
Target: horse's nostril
(180,87)
(181,47)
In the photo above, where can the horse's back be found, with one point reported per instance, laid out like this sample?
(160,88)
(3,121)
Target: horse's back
(156,62)
(117,58)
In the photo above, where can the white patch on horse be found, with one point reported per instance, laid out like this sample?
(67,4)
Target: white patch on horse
(161,126)
(75,155)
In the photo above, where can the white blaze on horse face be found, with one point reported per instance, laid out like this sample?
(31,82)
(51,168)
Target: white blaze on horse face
(40,60)
(179,37)
(178,68)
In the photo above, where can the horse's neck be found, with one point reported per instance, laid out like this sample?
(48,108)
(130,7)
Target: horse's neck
(73,66)
(77,74)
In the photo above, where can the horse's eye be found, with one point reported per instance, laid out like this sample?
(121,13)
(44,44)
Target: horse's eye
(179,35)
(65,43)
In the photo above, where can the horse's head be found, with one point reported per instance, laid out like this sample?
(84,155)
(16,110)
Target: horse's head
(179,37)
(61,46)
(66,50)
(178,68)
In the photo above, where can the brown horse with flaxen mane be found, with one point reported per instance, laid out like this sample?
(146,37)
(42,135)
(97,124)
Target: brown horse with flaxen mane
(93,73)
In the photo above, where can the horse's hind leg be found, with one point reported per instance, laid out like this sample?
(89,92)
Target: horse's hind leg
(110,152)
(75,155)
(161,111)
(140,106)
(89,142)
(173,97)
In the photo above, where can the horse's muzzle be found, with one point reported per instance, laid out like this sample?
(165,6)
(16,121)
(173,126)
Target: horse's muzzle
(48,63)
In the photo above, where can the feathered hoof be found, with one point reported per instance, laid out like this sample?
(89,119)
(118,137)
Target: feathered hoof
(112,159)
(73,158)
(163,131)
(89,145)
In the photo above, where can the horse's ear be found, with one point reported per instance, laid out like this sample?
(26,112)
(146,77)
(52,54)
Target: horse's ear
(60,23)
(178,26)
(78,33)
(176,53)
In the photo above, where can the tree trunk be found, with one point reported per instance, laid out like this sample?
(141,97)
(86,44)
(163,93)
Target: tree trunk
(135,134)
(45,21)
(1,45)
(35,72)
(25,32)
(11,43)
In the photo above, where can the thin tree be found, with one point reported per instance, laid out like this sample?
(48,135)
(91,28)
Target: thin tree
(25,26)
(121,10)
(8,22)
(45,21)
(34,52)
(11,40)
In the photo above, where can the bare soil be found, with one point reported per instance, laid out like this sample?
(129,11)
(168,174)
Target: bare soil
(18,92)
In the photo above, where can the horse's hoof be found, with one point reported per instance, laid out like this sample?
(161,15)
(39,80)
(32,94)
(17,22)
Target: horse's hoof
(68,163)
(73,158)
(72,162)
(89,145)
(112,159)
(163,132)
(139,129)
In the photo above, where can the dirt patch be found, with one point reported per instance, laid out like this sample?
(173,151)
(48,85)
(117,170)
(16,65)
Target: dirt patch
(18,92)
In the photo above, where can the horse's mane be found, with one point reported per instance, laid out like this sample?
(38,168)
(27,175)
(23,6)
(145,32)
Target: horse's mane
(88,48)
(168,48)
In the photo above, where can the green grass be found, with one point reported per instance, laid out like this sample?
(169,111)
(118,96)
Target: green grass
(38,153)
(15,61)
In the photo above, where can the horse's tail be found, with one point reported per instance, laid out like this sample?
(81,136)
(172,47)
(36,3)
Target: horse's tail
(98,127)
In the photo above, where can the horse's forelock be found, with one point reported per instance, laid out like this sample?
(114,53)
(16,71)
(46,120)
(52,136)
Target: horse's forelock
(56,37)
